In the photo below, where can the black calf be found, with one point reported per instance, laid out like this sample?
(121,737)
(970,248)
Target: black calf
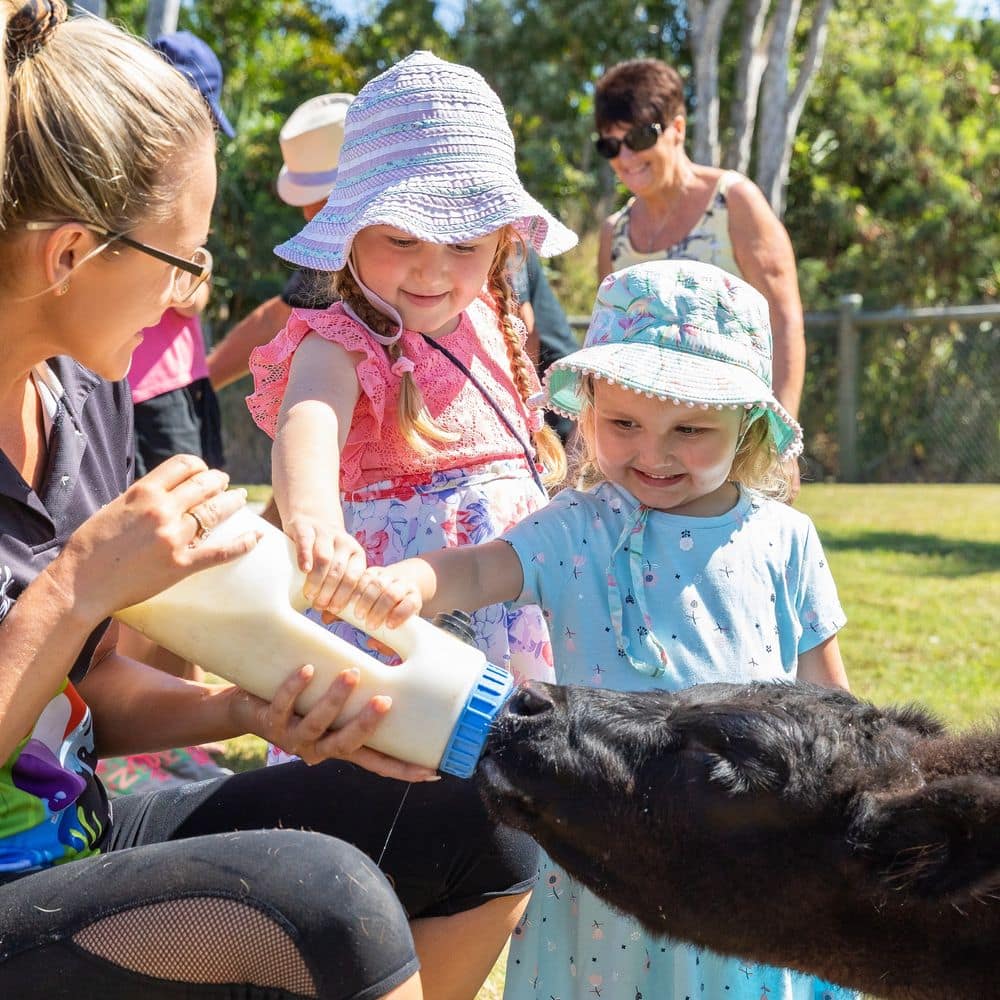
(791,825)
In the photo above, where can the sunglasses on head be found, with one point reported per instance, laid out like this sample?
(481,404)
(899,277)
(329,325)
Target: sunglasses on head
(637,138)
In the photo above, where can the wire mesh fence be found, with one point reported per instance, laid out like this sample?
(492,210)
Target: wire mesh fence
(900,396)
(904,396)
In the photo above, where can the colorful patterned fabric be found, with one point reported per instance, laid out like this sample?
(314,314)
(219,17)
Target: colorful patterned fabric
(683,331)
(427,149)
(54,810)
(375,449)
(735,598)
(394,520)
(147,772)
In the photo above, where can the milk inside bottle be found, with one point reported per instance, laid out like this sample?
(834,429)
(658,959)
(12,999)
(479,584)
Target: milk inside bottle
(243,621)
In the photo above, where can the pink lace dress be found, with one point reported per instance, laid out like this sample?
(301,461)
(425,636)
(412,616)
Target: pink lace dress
(399,503)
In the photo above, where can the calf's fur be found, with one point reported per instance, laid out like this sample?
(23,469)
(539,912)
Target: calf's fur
(786,824)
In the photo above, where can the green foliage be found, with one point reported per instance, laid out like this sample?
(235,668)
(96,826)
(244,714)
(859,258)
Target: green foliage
(895,180)
(895,193)
(542,59)
(394,30)
(927,403)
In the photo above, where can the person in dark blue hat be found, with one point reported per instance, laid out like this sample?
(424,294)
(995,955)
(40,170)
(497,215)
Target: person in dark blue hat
(189,54)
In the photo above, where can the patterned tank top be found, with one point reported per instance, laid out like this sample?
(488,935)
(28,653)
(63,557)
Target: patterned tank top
(708,241)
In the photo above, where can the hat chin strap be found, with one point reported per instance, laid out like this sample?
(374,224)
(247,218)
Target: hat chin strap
(377,303)
(752,415)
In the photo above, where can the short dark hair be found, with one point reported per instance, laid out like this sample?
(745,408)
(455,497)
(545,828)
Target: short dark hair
(638,92)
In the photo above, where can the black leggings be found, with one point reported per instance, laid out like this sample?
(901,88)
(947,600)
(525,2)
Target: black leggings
(201,893)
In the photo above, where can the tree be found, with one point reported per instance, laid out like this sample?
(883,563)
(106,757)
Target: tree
(397,28)
(763,77)
(161,17)
(895,177)
(544,57)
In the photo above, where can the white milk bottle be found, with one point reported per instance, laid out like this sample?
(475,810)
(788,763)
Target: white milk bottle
(243,621)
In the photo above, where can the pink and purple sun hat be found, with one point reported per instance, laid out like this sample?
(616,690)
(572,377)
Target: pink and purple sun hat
(686,332)
(427,149)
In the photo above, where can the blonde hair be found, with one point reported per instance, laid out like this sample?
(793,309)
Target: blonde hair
(89,116)
(415,422)
(756,464)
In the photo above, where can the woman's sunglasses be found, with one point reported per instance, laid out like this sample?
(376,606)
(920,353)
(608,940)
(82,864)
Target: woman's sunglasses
(637,138)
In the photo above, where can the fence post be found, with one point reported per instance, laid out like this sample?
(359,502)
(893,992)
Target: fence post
(847,385)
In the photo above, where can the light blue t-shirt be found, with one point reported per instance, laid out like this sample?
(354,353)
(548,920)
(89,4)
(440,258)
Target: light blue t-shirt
(731,598)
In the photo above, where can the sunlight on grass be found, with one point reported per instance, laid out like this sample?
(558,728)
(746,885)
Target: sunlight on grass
(918,570)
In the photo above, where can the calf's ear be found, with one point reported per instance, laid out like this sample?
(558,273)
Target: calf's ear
(939,841)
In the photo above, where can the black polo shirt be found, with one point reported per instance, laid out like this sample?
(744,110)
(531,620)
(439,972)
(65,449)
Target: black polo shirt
(89,464)
(52,806)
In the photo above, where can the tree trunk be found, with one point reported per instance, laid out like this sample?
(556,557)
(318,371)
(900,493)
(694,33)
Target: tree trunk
(781,109)
(771,124)
(706,32)
(807,72)
(161,17)
(746,91)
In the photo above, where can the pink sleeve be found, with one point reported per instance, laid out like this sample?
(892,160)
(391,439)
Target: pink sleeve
(271,363)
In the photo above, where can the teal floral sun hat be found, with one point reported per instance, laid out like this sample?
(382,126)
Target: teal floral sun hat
(687,332)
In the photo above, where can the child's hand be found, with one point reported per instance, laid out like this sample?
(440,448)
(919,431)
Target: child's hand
(385,596)
(332,560)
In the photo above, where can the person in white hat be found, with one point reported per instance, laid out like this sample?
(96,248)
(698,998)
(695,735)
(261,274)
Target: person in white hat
(310,147)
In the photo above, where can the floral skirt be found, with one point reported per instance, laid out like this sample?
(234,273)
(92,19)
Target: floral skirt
(397,520)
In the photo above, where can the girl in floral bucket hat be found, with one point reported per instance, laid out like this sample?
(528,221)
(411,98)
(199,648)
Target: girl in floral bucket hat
(400,414)
(689,333)
(678,567)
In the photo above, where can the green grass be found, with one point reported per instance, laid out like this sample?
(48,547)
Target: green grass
(918,571)
(256,494)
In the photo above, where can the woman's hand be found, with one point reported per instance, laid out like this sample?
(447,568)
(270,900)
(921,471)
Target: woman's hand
(310,737)
(155,534)
(332,560)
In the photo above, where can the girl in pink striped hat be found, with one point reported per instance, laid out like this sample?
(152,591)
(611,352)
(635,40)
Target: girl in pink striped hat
(403,416)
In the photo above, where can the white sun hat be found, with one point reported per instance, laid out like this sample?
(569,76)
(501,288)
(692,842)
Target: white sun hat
(310,145)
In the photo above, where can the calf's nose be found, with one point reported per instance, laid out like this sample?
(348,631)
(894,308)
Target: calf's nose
(528,701)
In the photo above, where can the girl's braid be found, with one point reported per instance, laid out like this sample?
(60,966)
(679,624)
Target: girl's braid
(547,444)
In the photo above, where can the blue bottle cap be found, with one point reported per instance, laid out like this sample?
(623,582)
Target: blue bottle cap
(473,726)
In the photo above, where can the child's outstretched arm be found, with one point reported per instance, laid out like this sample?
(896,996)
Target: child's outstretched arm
(823,665)
(312,427)
(465,578)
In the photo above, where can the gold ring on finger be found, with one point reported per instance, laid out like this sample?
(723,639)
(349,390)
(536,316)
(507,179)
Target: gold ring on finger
(200,530)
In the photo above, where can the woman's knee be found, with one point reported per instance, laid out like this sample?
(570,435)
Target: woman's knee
(294,907)
(347,916)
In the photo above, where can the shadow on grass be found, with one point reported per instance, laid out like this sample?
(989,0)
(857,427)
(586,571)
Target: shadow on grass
(954,556)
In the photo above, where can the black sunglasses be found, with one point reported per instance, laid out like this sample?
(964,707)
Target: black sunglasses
(637,138)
